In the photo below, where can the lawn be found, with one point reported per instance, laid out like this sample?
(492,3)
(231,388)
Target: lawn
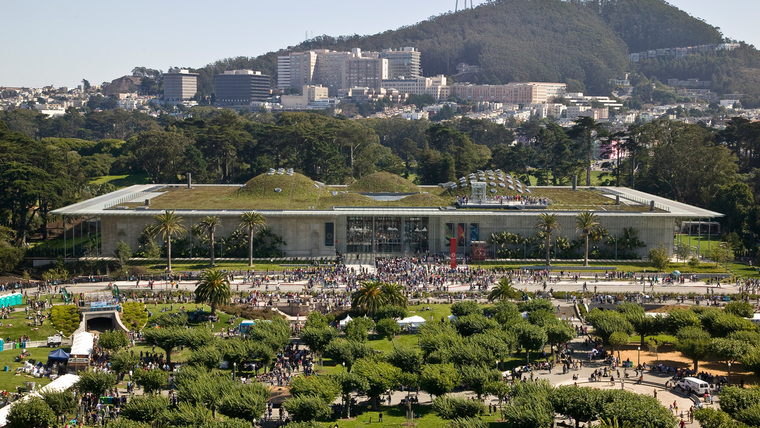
(9,380)
(120,181)
(701,243)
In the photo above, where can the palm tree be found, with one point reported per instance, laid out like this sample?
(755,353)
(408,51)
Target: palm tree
(169,224)
(213,288)
(253,221)
(393,294)
(548,224)
(503,291)
(209,224)
(585,222)
(369,297)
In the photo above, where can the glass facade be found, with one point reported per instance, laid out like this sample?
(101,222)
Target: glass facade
(386,235)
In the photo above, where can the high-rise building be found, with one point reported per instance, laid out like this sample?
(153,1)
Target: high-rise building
(365,72)
(241,87)
(180,85)
(345,70)
(403,63)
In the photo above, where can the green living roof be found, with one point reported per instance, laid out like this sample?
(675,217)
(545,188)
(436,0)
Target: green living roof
(298,192)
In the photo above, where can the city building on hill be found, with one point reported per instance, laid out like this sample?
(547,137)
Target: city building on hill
(344,70)
(310,94)
(403,63)
(435,86)
(180,85)
(511,93)
(241,87)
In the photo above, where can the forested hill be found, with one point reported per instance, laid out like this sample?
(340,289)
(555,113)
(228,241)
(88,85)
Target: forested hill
(581,42)
(654,24)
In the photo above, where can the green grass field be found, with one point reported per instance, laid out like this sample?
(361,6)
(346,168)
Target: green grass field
(121,180)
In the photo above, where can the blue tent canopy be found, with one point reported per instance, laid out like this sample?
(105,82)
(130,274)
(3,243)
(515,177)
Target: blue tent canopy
(58,355)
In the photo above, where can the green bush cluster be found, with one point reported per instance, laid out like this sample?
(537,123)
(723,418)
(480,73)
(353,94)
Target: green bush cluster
(65,318)
(134,315)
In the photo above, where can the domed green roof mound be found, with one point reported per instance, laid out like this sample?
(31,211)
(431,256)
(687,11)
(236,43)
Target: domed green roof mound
(383,182)
(296,187)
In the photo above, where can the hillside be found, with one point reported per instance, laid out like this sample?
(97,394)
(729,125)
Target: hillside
(581,42)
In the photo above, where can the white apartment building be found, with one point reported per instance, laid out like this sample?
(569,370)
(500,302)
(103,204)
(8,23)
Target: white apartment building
(435,86)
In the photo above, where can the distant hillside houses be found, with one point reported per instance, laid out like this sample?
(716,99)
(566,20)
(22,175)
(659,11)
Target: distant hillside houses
(682,52)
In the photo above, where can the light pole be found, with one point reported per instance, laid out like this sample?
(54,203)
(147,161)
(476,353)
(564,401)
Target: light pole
(729,373)
(638,357)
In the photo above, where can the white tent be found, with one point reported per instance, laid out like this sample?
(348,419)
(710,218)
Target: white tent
(345,321)
(412,322)
(61,384)
(82,345)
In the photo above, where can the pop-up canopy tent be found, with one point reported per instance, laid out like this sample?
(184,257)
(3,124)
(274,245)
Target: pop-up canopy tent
(58,355)
(412,322)
(345,321)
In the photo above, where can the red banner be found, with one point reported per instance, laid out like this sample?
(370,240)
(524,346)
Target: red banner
(453,253)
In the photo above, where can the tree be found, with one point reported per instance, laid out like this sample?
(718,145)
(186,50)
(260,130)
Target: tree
(169,224)
(213,287)
(33,412)
(95,382)
(349,382)
(369,297)
(449,407)
(466,307)
(317,338)
(244,401)
(581,404)
(608,322)
(209,225)
(503,290)
(439,379)
(145,408)
(547,225)
(390,311)
(307,408)
(654,345)
(113,340)
(347,351)
(323,387)
(559,332)
(531,338)
(123,361)
(62,403)
(694,343)
(617,339)
(477,378)
(721,253)
(152,381)
(636,409)
(387,328)
(358,329)
(659,258)
(393,294)
(122,253)
(407,358)
(165,338)
(380,377)
(585,221)
(729,350)
(252,221)
(742,309)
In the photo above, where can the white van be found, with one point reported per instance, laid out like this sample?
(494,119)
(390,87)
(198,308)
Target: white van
(692,384)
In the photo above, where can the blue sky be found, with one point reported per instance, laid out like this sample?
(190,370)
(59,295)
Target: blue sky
(61,42)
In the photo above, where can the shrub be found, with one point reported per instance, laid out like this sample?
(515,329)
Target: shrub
(145,408)
(307,408)
(65,318)
(134,315)
(454,407)
(387,328)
